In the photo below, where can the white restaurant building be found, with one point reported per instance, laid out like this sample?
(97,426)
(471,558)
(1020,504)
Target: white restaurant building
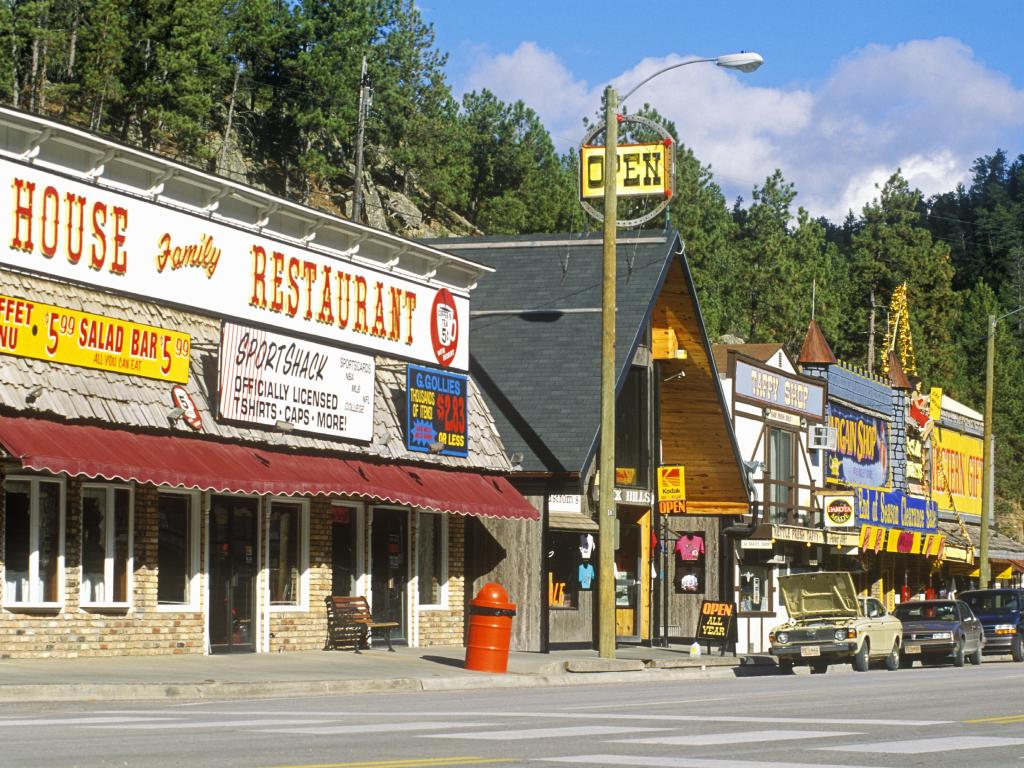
(206,425)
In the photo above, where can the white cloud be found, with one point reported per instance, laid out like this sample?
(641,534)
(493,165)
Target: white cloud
(926,106)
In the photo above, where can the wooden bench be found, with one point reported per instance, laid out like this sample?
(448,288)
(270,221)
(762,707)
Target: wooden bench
(349,623)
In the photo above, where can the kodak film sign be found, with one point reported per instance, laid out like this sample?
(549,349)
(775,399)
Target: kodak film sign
(643,170)
(83,233)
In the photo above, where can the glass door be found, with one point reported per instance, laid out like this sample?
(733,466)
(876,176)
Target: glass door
(343,550)
(389,568)
(628,576)
(233,572)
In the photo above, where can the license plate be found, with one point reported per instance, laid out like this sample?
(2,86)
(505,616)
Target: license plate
(912,649)
(810,650)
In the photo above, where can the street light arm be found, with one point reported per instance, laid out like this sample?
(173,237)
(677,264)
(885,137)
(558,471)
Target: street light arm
(661,71)
(744,62)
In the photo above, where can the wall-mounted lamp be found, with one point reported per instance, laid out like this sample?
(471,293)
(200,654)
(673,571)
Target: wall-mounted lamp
(679,375)
(174,414)
(284,426)
(436,447)
(34,395)
(517,460)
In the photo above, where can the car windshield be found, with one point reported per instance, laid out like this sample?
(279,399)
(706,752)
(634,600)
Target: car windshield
(993,601)
(927,611)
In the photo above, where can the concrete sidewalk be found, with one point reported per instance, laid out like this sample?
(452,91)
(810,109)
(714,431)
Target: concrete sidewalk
(308,673)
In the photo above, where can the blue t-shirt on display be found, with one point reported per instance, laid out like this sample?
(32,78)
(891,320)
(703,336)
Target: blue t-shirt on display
(586,575)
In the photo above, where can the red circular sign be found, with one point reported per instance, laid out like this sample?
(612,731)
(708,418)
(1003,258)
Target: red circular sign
(839,512)
(444,327)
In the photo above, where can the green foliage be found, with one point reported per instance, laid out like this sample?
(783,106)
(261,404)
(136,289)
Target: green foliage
(268,92)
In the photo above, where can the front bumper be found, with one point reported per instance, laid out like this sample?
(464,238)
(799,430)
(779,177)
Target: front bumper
(927,647)
(795,652)
(998,644)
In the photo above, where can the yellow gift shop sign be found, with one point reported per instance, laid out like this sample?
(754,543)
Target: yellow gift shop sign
(59,335)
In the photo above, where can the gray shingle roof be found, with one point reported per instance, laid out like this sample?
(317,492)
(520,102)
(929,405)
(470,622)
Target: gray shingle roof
(136,403)
(535,334)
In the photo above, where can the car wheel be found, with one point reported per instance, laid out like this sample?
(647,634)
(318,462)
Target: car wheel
(975,658)
(958,653)
(785,666)
(892,661)
(1017,650)
(863,657)
(819,668)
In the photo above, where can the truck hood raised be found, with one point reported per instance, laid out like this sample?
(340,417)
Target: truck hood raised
(817,595)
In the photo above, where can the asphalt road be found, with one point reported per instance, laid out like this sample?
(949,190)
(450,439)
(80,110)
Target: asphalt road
(933,717)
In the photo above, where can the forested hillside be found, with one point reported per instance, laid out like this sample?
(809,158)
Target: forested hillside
(267,92)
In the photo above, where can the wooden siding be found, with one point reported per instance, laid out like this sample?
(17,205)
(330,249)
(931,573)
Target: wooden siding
(694,427)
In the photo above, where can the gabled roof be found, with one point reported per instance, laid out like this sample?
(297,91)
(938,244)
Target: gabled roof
(760,352)
(535,351)
(535,334)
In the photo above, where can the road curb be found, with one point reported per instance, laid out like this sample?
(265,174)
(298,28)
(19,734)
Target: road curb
(10,694)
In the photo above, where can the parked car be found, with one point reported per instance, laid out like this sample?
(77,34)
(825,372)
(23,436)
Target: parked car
(829,625)
(940,630)
(999,611)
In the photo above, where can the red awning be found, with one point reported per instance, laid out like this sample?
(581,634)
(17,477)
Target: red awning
(189,462)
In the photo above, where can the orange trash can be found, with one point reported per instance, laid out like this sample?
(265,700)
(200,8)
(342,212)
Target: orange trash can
(490,629)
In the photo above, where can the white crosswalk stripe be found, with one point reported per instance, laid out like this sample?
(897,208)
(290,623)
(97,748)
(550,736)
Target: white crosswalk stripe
(187,725)
(921,746)
(341,730)
(542,733)
(736,737)
(594,761)
(65,721)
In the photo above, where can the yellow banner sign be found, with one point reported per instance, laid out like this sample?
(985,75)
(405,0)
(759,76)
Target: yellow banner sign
(671,483)
(59,335)
(643,170)
(957,476)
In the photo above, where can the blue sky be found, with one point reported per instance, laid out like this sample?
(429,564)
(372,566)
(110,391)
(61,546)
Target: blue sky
(850,91)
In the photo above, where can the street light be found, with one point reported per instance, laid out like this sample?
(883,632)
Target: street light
(742,62)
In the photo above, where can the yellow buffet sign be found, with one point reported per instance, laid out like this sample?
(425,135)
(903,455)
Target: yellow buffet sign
(60,335)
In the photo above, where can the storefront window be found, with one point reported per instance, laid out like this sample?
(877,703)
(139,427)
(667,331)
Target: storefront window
(754,588)
(106,544)
(33,541)
(431,530)
(176,557)
(781,475)
(285,552)
(571,567)
(631,454)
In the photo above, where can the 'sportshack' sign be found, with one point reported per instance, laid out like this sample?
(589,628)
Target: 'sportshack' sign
(436,415)
(715,621)
(275,380)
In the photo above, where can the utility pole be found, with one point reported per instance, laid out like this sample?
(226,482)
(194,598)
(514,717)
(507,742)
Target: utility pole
(871,335)
(606,499)
(986,485)
(364,104)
